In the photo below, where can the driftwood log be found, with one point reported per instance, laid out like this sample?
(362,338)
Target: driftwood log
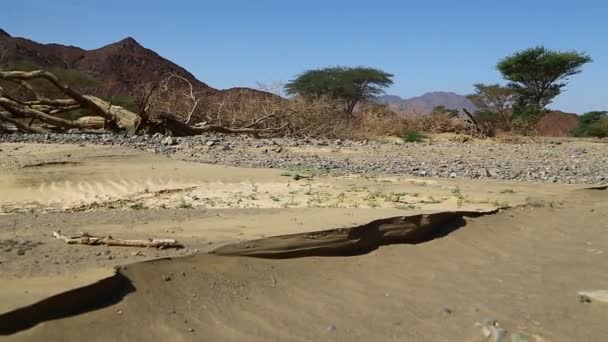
(86,239)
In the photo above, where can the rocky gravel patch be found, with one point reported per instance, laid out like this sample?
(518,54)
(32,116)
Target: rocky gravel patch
(553,161)
(19,247)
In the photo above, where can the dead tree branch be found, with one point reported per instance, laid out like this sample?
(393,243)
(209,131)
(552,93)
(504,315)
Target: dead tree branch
(86,239)
(5,118)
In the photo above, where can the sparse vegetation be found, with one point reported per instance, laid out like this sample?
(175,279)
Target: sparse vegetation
(137,206)
(406,206)
(460,197)
(412,136)
(183,204)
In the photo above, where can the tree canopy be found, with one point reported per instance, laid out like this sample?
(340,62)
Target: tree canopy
(539,74)
(492,98)
(350,85)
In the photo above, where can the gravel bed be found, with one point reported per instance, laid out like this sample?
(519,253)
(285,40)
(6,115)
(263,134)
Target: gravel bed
(571,161)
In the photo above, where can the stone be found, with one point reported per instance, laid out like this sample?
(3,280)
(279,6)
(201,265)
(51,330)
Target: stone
(446,310)
(597,295)
(168,141)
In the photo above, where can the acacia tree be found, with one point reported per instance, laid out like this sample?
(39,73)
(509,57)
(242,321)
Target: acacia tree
(538,75)
(493,101)
(350,85)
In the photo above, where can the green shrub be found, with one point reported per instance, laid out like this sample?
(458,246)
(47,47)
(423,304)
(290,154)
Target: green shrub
(411,136)
(592,124)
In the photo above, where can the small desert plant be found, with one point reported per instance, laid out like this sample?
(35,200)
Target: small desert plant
(137,206)
(184,205)
(406,206)
(411,136)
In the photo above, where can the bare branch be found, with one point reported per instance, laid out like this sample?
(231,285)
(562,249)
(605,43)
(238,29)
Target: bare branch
(20,125)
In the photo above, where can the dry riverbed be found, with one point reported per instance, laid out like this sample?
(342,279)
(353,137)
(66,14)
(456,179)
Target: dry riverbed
(517,253)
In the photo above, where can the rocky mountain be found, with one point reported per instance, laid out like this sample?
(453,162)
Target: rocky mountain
(425,103)
(120,67)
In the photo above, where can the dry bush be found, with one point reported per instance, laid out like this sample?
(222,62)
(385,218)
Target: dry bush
(171,93)
(241,107)
(445,123)
(325,118)
(303,117)
(322,117)
(375,120)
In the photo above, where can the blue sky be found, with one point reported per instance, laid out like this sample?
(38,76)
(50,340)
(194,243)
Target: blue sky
(428,45)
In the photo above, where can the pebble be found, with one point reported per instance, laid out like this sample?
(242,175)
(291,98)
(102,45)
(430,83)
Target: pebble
(446,310)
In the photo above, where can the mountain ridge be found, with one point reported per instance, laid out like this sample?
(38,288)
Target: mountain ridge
(121,67)
(425,103)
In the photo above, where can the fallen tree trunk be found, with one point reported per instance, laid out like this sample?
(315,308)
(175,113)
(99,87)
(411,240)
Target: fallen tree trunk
(125,119)
(91,122)
(86,239)
(46,110)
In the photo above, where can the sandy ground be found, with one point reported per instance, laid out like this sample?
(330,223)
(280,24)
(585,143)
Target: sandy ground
(55,178)
(522,266)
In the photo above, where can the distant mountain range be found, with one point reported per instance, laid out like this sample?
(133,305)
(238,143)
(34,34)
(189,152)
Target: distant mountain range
(424,104)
